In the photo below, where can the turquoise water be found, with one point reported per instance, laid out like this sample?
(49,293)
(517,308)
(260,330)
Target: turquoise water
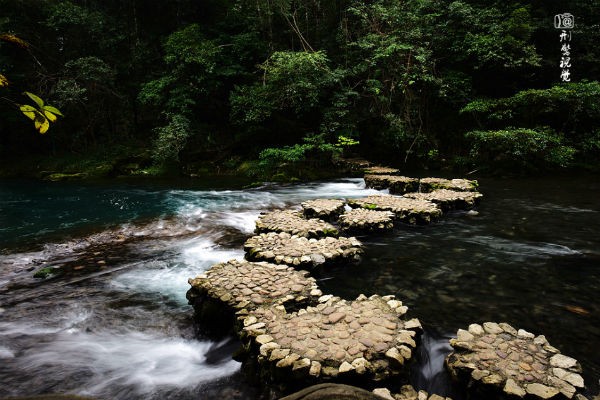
(114,322)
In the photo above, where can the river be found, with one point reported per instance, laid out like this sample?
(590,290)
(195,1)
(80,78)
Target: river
(113,321)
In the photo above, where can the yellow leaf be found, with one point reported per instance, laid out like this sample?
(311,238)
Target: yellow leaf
(41,123)
(50,116)
(29,111)
(6,37)
(3,81)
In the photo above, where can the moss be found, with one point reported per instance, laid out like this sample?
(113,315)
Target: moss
(44,273)
(370,206)
(330,232)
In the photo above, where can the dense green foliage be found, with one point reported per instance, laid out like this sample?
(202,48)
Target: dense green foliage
(468,83)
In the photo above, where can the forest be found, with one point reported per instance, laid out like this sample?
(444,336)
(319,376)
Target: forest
(275,88)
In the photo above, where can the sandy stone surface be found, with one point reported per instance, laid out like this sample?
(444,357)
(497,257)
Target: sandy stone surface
(449,199)
(515,361)
(459,185)
(326,209)
(395,184)
(381,171)
(412,211)
(247,285)
(293,222)
(364,220)
(366,337)
(407,392)
(283,248)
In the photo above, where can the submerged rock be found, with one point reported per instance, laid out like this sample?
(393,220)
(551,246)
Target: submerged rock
(377,170)
(327,209)
(395,184)
(243,285)
(449,199)
(292,222)
(364,220)
(364,338)
(283,248)
(412,211)
(459,185)
(407,392)
(514,361)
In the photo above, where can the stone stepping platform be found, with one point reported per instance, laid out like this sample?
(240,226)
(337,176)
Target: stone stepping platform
(407,392)
(364,220)
(459,185)
(301,252)
(514,361)
(395,184)
(337,338)
(449,199)
(377,170)
(244,285)
(412,211)
(326,209)
(292,222)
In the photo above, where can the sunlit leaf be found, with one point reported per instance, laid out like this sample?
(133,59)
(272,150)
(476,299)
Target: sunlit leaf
(51,117)
(29,111)
(7,37)
(35,98)
(41,123)
(53,110)
(3,81)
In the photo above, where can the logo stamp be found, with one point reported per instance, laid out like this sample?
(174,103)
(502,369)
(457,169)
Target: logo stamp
(564,21)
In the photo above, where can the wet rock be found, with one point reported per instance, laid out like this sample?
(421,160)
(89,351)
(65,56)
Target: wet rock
(395,184)
(411,211)
(332,391)
(301,252)
(407,392)
(244,285)
(449,199)
(292,222)
(364,220)
(377,170)
(514,361)
(366,337)
(459,185)
(326,209)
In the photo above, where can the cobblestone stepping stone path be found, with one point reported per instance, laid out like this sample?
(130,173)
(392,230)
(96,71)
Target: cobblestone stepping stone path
(515,361)
(365,337)
(301,252)
(247,285)
(412,211)
(326,209)
(293,222)
(449,199)
(363,220)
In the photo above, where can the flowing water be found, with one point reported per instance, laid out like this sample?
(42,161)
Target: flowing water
(113,322)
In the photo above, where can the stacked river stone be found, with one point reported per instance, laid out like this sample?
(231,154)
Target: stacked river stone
(327,209)
(412,211)
(364,338)
(283,248)
(514,361)
(292,222)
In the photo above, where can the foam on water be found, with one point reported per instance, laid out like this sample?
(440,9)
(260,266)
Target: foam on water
(134,361)
(170,277)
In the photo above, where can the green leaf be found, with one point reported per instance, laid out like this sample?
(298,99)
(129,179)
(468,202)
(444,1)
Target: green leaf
(53,110)
(33,97)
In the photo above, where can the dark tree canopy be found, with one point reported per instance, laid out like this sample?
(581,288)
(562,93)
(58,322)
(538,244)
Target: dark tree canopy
(422,82)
